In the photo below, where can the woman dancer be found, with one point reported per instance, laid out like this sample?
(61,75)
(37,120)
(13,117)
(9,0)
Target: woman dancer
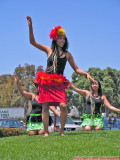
(52,84)
(94,99)
(35,124)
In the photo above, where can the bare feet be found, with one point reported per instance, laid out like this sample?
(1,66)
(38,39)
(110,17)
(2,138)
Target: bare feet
(62,133)
(46,134)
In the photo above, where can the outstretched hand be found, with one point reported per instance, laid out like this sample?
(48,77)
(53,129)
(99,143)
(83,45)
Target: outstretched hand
(90,78)
(72,86)
(16,78)
(29,20)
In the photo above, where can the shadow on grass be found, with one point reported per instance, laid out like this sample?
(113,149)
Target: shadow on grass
(69,133)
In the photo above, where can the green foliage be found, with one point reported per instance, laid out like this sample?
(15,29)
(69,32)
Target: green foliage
(6,132)
(9,94)
(55,147)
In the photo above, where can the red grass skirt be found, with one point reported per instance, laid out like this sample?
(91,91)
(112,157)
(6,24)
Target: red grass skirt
(51,88)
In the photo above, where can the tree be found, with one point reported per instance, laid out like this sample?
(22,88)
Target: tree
(9,94)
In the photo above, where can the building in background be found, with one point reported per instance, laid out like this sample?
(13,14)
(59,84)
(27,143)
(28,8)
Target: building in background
(15,112)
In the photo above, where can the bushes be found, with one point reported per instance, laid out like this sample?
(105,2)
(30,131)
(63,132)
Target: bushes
(6,132)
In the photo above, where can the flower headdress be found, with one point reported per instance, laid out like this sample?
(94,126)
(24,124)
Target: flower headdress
(56,31)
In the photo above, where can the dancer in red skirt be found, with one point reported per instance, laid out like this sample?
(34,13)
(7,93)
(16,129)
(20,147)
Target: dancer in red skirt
(52,83)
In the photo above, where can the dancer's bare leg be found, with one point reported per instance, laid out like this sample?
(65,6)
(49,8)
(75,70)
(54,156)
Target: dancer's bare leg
(45,117)
(33,132)
(63,117)
(41,131)
(55,111)
(87,128)
(98,128)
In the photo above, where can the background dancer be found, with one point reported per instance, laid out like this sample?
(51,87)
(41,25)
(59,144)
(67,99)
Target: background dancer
(94,100)
(35,124)
(52,83)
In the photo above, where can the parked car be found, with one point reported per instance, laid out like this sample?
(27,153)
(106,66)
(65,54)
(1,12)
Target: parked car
(111,124)
(69,125)
(11,123)
(77,121)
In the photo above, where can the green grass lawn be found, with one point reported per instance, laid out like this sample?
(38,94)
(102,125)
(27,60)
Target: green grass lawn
(56,147)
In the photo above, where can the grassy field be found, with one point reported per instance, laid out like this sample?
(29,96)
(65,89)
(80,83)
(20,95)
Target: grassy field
(55,147)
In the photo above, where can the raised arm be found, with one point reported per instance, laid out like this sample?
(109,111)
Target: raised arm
(108,105)
(32,39)
(80,91)
(76,69)
(24,93)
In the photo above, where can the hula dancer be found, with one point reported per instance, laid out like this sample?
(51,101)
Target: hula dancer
(94,100)
(35,124)
(52,83)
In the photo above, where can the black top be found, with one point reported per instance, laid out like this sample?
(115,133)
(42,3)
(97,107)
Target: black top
(98,103)
(36,107)
(61,62)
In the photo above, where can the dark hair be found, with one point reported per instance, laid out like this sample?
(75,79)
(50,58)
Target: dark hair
(99,89)
(36,85)
(37,92)
(55,51)
(64,48)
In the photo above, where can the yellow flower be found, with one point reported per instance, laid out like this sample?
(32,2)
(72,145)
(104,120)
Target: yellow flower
(61,31)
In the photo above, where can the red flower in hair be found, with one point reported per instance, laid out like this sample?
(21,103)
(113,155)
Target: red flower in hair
(53,33)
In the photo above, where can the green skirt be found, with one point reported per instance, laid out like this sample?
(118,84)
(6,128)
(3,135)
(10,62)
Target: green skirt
(94,120)
(34,124)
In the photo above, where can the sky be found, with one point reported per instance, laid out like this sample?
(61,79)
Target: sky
(92,28)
